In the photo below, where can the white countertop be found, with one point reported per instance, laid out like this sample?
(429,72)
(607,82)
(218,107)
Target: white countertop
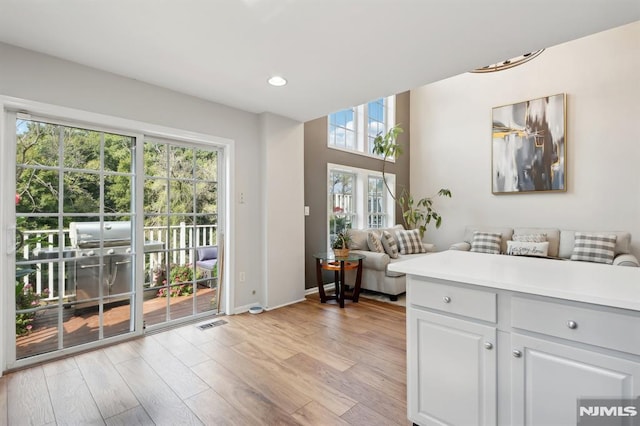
(616,286)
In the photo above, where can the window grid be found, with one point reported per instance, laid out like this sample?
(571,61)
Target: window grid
(357,198)
(354,129)
(376,120)
(376,206)
(342,129)
(69,174)
(342,197)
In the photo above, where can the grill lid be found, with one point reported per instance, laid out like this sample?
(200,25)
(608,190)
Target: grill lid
(87,234)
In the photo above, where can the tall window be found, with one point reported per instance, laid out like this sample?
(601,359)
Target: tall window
(341,201)
(377,120)
(358,198)
(354,129)
(376,203)
(342,129)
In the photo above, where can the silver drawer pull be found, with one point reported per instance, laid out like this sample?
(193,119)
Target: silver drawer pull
(516,353)
(488,345)
(572,325)
(446,299)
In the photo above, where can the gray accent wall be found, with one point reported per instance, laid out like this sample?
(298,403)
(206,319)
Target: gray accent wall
(316,157)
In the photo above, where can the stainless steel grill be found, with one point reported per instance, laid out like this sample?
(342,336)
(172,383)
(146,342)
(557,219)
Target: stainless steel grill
(103,246)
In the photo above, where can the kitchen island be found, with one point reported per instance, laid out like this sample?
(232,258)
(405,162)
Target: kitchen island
(495,339)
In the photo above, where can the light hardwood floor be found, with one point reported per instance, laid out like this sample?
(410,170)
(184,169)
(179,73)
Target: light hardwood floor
(308,363)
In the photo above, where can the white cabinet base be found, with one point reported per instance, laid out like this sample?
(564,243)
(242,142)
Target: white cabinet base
(449,356)
(549,378)
(550,353)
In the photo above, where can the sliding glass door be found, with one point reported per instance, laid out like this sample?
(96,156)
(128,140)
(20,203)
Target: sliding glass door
(181,223)
(83,201)
(74,280)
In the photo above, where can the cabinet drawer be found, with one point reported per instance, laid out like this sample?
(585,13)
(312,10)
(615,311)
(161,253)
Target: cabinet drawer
(618,330)
(456,300)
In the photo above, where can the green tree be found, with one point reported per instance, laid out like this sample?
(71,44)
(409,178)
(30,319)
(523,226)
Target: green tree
(173,175)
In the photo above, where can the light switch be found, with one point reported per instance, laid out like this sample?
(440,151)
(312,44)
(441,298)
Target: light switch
(306,210)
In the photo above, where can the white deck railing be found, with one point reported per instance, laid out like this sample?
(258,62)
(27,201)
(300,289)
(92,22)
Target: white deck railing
(176,241)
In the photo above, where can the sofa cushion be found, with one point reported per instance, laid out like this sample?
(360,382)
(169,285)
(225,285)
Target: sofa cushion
(358,239)
(207,264)
(598,248)
(373,260)
(208,253)
(567,238)
(404,257)
(553,236)
(359,236)
(374,243)
(390,244)
(486,242)
(505,233)
(410,242)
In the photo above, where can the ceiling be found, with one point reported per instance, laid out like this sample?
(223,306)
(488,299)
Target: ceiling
(334,53)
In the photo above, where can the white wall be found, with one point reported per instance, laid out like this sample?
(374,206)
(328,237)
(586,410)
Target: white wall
(451,140)
(32,76)
(283,220)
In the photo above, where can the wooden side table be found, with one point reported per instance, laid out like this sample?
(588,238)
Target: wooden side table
(329,262)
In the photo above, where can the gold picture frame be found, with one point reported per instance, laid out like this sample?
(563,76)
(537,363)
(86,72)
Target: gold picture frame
(529,146)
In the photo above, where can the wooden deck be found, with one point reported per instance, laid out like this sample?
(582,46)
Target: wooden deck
(82,325)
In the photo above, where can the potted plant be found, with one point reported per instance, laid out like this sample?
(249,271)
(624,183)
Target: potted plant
(340,245)
(416,213)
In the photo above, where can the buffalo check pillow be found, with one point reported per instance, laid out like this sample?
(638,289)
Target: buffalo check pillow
(486,242)
(598,248)
(409,242)
(389,244)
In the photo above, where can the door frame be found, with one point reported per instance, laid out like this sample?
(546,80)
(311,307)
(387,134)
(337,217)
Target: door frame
(8,217)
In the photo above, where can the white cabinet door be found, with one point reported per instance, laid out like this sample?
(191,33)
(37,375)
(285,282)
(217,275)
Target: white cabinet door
(451,370)
(548,378)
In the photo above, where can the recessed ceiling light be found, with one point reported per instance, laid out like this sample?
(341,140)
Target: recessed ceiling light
(277,81)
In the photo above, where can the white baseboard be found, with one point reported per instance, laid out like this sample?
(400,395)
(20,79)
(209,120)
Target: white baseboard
(286,304)
(245,308)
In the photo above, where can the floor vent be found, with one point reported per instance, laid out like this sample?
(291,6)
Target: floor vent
(210,324)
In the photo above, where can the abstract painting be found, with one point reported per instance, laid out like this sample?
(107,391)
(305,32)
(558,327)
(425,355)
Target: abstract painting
(529,146)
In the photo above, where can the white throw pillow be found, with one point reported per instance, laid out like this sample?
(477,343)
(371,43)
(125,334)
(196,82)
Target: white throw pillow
(527,248)
(530,238)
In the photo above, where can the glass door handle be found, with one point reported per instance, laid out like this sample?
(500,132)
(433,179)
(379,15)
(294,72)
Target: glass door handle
(12,245)
(97,265)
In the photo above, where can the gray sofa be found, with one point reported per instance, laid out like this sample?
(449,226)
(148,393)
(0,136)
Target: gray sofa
(375,274)
(561,241)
